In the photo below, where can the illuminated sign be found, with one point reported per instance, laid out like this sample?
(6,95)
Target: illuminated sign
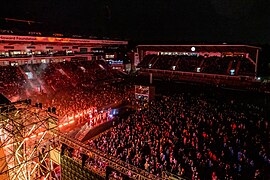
(57,40)
(115,61)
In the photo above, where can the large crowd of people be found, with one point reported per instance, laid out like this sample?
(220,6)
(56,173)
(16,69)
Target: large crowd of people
(194,137)
(189,135)
(71,88)
(12,81)
(72,101)
(51,77)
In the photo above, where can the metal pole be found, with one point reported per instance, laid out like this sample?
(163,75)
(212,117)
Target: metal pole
(256,65)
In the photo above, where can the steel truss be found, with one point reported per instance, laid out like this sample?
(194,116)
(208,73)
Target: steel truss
(119,165)
(26,140)
(111,161)
(170,176)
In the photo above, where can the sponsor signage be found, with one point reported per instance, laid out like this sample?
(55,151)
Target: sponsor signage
(57,40)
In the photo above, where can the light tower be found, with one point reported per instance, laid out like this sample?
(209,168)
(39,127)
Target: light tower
(26,139)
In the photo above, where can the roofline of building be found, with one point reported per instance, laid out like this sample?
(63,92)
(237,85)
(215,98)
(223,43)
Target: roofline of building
(46,39)
(202,45)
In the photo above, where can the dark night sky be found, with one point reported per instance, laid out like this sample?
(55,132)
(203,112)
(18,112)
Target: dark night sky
(246,21)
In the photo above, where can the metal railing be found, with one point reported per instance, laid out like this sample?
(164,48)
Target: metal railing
(119,165)
(193,74)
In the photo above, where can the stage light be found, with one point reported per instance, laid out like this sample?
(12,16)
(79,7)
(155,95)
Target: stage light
(193,49)
(232,72)
(33,136)
(71,122)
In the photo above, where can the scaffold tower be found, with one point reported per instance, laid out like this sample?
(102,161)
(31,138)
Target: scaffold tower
(26,139)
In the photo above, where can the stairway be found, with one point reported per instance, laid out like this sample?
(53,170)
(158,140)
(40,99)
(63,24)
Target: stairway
(251,60)
(155,60)
(237,67)
(229,67)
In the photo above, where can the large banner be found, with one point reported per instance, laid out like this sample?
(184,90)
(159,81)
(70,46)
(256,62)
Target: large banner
(57,39)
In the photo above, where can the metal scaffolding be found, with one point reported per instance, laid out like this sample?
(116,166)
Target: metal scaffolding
(121,166)
(30,135)
(26,140)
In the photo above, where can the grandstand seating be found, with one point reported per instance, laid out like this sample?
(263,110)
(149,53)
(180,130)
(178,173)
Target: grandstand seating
(54,75)
(246,68)
(12,80)
(211,65)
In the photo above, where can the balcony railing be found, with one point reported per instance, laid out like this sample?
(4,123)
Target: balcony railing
(119,165)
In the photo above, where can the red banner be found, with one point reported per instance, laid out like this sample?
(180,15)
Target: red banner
(57,40)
